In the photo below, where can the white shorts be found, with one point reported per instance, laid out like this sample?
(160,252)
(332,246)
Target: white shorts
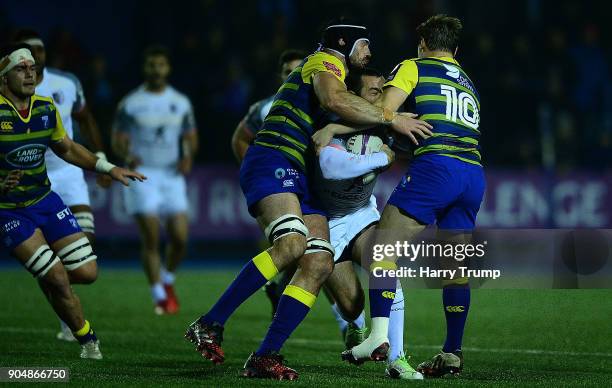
(343,230)
(69,183)
(163,193)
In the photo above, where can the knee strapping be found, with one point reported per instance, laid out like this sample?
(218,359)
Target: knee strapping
(86,221)
(285,225)
(41,261)
(315,244)
(76,254)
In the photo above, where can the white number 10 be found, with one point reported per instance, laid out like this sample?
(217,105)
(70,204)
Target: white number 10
(459,105)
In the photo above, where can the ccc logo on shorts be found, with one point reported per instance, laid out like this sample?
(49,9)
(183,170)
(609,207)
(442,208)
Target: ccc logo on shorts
(388,294)
(455,309)
(280,173)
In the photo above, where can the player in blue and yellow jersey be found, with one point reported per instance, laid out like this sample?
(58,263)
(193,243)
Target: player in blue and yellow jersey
(35,225)
(444,184)
(274,179)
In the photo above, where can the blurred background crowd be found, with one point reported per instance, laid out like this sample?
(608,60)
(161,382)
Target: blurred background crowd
(542,66)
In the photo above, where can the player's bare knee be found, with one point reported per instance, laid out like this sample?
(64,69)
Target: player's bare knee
(288,235)
(320,257)
(85,274)
(290,247)
(318,265)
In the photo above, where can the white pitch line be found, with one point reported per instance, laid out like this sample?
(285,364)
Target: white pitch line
(305,341)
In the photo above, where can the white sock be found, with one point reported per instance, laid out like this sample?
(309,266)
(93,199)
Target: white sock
(380,328)
(158,292)
(360,321)
(341,322)
(396,325)
(166,276)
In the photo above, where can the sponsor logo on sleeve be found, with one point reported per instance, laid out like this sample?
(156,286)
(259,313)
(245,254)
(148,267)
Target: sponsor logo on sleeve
(333,68)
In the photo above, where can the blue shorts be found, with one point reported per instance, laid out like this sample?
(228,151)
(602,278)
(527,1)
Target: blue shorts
(266,171)
(441,189)
(50,215)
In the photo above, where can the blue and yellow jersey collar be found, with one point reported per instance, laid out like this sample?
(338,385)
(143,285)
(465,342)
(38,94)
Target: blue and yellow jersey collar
(445,59)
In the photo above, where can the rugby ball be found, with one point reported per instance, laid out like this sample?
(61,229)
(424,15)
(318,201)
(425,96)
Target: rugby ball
(364,144)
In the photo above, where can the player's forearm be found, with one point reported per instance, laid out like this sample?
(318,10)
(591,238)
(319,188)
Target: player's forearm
(337,164)
(80,157)
(356,111)
(240,142)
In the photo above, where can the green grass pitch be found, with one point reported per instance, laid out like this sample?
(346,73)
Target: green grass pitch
(513,337)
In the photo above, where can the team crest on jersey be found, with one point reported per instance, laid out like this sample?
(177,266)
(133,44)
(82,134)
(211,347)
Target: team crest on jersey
(172,108)
(27,156)
(58,97)
(333,68)
(6,126)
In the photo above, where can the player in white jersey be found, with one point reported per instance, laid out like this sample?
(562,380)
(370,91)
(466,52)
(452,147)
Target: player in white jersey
(66,179)
(155,129)
(344,184)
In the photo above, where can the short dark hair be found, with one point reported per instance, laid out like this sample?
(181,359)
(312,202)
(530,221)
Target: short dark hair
(25,34)
(441,32)
(290,55)
(8,49)
(354,80)
(156,50)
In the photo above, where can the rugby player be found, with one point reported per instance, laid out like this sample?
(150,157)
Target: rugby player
(155,129)
(35,225)
(345,191)
(243,136)
(274,179)
(245,132)
(444,184)
(67,180)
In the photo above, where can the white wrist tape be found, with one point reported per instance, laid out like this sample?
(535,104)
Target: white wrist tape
(101,155)
(104,167)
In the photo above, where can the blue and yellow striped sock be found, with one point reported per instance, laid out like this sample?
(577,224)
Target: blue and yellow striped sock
(250,279)
(85,334)
(456,300)
(382,290)
(294,305)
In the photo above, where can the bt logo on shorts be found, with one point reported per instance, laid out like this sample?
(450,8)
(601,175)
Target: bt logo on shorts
(61,215)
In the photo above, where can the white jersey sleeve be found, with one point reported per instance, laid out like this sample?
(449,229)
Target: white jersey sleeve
(337,163)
